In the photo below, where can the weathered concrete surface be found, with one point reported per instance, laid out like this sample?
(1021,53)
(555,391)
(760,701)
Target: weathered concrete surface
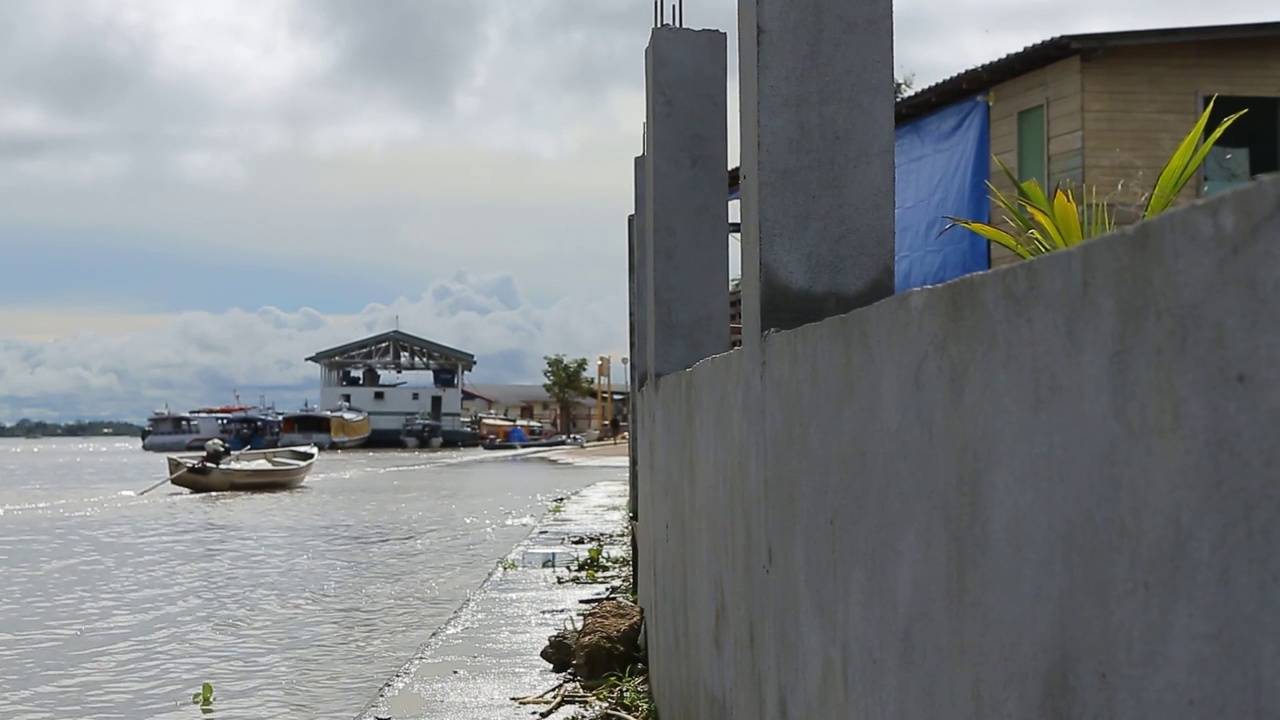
(1048,491)
(472,667)
(640,273)
(816,80)
(686,154)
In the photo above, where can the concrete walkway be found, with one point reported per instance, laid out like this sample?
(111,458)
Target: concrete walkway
(488,653)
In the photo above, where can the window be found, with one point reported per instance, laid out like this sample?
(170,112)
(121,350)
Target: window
(415,396)
(1033,147)
(1249,148)
(379,395)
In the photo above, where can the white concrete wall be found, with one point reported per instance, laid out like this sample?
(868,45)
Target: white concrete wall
(388,414)
(1048,491)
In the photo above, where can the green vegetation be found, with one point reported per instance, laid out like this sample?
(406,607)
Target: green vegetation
(508,564)
(204,698)
(1039,225)
(79,428)
(567,383)
(628,693)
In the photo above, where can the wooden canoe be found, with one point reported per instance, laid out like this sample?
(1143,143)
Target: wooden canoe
(251,470)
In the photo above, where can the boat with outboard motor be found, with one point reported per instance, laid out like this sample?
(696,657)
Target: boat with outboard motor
(249,470)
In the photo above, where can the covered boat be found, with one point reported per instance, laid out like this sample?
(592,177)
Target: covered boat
(308,426)
(348,427)
(256,429)
(338,429)
(271,469)
(175,432)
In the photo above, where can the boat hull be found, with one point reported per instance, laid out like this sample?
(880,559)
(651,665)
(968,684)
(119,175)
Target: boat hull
(250,471)
(296,439)
(348,443)
(167,443)
(557,442)
(349,428)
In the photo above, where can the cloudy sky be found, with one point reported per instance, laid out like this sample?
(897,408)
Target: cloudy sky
(195,195)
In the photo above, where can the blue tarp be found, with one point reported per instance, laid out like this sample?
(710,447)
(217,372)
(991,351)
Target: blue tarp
(942,160)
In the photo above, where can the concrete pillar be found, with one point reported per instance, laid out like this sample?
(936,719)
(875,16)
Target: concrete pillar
(817,159)
(640,276)
(686,156)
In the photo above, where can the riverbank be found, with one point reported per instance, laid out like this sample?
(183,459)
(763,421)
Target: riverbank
(489,652)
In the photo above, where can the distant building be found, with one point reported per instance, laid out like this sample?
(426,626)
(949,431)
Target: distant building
(394,375)
(531,402)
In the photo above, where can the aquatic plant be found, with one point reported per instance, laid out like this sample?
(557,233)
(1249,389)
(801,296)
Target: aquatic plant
(204,698)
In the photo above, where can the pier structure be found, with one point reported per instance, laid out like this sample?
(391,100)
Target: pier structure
(395,375)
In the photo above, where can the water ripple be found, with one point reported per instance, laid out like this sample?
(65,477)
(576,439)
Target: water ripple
(295,605)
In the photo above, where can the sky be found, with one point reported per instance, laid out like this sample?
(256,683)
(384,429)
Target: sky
(195,196)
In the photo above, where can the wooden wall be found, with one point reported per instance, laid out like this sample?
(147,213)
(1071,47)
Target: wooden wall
(1058,86)
(1140,101)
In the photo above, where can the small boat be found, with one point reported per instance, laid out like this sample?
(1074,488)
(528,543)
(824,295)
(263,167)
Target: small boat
(271,469)
(421,432)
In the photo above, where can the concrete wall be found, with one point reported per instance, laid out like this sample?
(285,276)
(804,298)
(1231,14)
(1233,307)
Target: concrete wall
(1048,491)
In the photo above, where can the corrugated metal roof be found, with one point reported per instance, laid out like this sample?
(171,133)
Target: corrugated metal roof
(1044,53)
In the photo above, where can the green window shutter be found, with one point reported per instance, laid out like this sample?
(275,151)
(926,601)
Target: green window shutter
(1033,151)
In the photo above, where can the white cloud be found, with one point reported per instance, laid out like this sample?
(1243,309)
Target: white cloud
(200,358)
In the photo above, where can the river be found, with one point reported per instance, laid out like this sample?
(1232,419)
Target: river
(293,605)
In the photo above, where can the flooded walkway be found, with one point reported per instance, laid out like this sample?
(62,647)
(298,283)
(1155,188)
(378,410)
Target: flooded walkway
(488,653)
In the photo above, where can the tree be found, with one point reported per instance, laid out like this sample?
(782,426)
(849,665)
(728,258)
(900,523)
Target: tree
(567,383)
(903,86)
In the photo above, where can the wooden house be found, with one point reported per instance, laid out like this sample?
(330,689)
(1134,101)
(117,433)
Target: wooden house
(1103,110)
(1108,109)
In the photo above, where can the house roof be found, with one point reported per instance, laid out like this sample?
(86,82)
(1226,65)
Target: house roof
(514,395)
(509,395)
(1045,53)
(394,347)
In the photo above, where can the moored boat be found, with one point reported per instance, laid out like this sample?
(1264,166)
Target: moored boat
(340,429)
(251,470)
(308,426)
(175,432)
(348,427)
(556,441)
(255,429)
(421,432)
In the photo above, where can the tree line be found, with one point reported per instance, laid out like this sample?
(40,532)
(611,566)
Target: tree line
(79,428)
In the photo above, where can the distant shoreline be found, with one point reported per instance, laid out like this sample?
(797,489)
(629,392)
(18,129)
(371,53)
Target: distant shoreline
(80,428)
